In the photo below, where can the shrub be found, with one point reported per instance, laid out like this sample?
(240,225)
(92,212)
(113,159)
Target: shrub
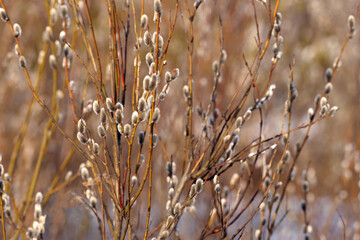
(162,121)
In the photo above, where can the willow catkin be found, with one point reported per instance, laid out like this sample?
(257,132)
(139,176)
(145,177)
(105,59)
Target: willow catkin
(17,30)
(96,148)
(127,129)
(351,23)
(118,116)
(149,59)
(52,61)
(199,185)
(38,197)
(53,16)
(328,74)
(84,173)
(146,83)
(156,115)
(101,131)
(134,180)
(157,6)
(146,38)
(168,77)
(143,21)
(3,15)
(64,11)
(153,82)
(22,62)
(110,105)
(134,117)
(48,34)
(81,125)
(141,138)
(62,36)
(175,74)
(82,139)
(103,116)
(142,104)
(93,201)
(96,107)
(223,56)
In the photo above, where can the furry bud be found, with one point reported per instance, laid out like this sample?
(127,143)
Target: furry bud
(17,30)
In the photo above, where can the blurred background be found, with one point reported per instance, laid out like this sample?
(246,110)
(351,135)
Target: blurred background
(313,32)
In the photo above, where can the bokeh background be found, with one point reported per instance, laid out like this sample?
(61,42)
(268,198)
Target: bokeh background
(313,32)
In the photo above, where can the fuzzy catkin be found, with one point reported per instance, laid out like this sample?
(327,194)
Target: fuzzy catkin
(119,106)
(311,113)
(177,208)
(102,116)
(127,129)
(199,185)
(3,15)
(62,36)
(328,88)
(2,186)
(81,125)
(351,22)
(82,139)
(333,111)
(84,173)
(155,140)
(134,117)
(328,74)
(223,56)
(215,67)
(163,235)
(52,61)
(96,107)
(58,48)
(146,38)
(149,59)
(22,62)
(96,148)
(192,190)
(168,77)
(72,86)
(239,122)
(39,197)
(141,138)
(53,16)
(144,21)
(134,180)
(110,105)
(118,116)
(64,11)
(93,201)
(37,211)
(175,74)
(156,115)
(68,175)
(49,35)
(146,83)
(153,82)
(142,104)
(17,30)
(67,50)
(186,91)
(217,188)
(247,115)
(101,131)
(157,6)
(16,50)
